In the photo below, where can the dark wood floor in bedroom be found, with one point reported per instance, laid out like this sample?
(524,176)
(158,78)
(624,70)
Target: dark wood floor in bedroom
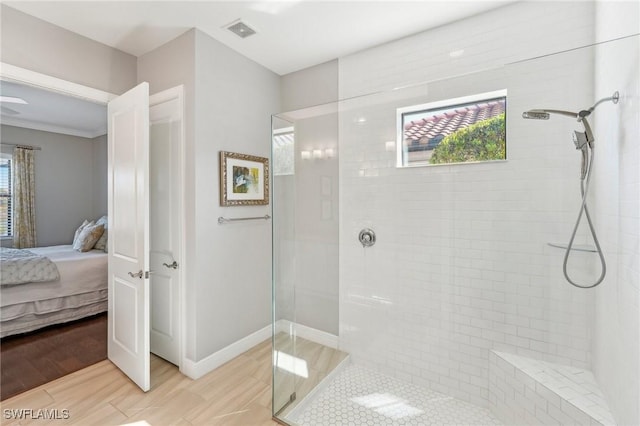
(32,359)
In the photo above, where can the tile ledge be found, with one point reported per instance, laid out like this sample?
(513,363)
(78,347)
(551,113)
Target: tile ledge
(557,379)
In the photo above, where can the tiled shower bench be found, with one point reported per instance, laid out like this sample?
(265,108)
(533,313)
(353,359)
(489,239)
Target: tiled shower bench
(528,391)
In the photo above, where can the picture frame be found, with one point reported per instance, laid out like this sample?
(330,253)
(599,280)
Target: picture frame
(244,179)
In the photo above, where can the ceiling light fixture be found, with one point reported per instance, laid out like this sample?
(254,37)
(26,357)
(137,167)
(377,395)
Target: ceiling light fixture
(13,100)
(240,29)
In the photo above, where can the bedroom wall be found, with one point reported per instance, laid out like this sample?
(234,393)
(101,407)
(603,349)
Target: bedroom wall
(37,45)
(70,185)
(99,167)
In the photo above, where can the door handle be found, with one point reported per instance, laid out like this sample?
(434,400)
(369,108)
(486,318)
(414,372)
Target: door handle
(138,274)
(174,265)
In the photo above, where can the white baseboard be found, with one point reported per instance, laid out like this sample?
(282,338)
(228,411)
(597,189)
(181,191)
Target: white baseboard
(315,335)
(196,369)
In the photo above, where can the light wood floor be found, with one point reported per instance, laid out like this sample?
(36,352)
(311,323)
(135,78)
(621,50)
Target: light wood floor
(237,393)
(319,361)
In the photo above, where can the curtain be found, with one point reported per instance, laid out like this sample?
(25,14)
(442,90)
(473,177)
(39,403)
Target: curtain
(24,208)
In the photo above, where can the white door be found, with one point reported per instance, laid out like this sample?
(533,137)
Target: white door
(166,145)
(128,209)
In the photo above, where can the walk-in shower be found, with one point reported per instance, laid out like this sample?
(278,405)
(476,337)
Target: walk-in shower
(584,142)
(427,293)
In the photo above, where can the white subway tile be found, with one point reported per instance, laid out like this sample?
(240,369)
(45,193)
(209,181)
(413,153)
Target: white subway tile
(474,259)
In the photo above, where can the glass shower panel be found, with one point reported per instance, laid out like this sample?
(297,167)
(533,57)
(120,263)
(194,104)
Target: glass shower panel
(545,318)
(461,279)
(283,146)
(408,303)
(305,265)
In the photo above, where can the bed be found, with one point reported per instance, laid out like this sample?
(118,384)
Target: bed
(80,291)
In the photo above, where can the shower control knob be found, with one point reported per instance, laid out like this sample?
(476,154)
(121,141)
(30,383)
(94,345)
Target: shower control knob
(367,237)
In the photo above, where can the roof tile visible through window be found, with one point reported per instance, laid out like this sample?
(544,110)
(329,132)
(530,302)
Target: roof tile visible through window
(447,122)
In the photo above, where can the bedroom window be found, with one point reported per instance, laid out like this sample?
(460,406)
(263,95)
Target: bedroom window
(6,196)
(460,130)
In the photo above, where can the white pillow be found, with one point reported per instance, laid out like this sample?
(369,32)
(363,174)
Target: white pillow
(102,242)
(88,237)
(79,230)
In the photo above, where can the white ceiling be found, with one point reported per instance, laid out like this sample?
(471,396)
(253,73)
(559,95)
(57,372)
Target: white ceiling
(291,35)
(52,112)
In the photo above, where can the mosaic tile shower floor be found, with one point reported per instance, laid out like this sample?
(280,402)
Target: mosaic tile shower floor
(359,396)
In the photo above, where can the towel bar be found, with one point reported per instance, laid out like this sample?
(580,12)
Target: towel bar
(222,219)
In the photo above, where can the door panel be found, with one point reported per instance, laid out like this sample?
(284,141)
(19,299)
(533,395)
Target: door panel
(125,207)
(161,318)
(166,221)
(128,210)
(125,298)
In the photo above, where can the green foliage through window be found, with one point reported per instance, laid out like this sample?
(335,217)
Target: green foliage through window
(481,141)
(467,129)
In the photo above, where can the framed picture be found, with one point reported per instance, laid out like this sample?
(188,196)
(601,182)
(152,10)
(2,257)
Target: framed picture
(244,180)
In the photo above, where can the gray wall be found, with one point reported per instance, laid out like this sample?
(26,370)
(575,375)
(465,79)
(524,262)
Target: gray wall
(311,86)
(168,66)
(31,43)
(235,98)
(316,221)
(36,45)
(229,101)
(231,111)
(71,181)
(306,207)
(100,192)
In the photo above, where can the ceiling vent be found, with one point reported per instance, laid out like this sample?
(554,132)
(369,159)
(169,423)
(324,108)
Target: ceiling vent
(240,29)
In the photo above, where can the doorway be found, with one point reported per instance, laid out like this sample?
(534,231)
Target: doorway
(167,270)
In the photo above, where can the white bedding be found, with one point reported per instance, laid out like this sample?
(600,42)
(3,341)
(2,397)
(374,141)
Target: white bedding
(82,286)
(20,266)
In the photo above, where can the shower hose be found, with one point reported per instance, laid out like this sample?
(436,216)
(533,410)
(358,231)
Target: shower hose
(584,190)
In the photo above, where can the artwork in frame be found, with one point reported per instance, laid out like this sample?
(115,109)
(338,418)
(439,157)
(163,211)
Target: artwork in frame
(244,180)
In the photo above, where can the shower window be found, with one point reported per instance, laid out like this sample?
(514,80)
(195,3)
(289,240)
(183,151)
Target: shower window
(460,130)
(283,151)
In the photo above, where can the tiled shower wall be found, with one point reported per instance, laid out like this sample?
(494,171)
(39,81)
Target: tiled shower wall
(616,343)
(461,264)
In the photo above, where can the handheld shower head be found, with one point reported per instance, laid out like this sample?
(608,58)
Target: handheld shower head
(535,114)
(583,114)
(558,111)
(584,143)
(543,114)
